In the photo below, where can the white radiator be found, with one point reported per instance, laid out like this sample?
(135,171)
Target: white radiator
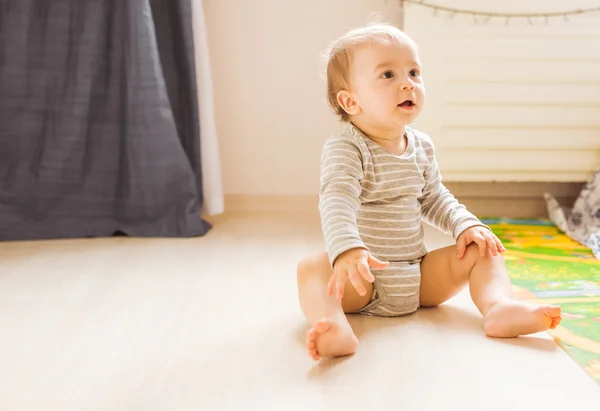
(516,102)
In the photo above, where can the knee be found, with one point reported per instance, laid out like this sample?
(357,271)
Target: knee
(473,255)
(308,266)
(303,268)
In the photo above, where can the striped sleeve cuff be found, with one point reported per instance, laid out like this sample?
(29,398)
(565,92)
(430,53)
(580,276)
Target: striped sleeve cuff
(340,247)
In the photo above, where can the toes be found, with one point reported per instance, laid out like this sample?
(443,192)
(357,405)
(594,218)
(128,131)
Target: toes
(312,351)
(552,311)
(311,343)
(311,338)
(319,327)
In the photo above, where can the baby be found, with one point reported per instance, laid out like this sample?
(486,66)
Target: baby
(379,178)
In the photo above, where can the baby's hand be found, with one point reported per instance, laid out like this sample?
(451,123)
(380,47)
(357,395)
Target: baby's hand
(353,264)
(483,237)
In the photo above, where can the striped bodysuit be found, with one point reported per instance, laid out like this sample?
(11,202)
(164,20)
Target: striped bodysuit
(374,199)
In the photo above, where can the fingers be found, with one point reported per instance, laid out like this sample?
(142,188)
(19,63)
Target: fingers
(491,243)
(494,244)
(340,284)
(331,284)
(336,285)
(355,280)
(461,246)
(353,270)
(484,239)
(481,243)
(499,244)
(375,263)
(365,272)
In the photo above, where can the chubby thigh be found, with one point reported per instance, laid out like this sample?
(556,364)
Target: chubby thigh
(443,275)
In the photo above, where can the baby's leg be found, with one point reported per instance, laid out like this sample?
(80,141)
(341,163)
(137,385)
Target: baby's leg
(331,334)
(443,275)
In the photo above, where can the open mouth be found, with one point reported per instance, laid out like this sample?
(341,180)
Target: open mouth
(406,103)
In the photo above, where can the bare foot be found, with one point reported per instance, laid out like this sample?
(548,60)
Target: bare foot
(510,318)
(330,337)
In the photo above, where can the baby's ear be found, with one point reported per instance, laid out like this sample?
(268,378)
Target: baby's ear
(347,102)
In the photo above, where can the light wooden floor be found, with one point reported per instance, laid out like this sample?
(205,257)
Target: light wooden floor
(213,324)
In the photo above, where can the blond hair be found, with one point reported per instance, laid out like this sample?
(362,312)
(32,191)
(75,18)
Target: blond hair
(341,52)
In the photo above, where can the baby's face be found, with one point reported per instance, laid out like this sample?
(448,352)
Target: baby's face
(386,78)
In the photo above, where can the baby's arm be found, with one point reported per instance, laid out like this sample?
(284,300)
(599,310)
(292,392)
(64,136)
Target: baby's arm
(341,175)
(339,201)
(442,210)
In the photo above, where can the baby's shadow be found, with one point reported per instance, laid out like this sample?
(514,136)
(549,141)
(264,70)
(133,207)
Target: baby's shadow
(361,324)
(456,319)
(452,319)
(447,318)
(364,327)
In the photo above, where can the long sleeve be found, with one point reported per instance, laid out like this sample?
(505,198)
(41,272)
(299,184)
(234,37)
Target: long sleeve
(339,198)
(439,207)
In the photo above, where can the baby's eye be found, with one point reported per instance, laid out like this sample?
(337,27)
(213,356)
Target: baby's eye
(414,73)
(388,74)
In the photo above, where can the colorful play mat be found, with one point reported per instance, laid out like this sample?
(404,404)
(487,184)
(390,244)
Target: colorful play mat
(546,266)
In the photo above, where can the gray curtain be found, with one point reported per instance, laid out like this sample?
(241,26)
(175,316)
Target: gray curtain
(99,131)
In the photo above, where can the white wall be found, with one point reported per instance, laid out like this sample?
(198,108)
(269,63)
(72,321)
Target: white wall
(483,95)
(269,94)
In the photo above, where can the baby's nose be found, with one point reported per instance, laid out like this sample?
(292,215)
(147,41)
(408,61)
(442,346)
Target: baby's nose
(407,85)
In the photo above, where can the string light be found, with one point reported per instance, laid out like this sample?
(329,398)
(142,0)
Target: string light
(487,16)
